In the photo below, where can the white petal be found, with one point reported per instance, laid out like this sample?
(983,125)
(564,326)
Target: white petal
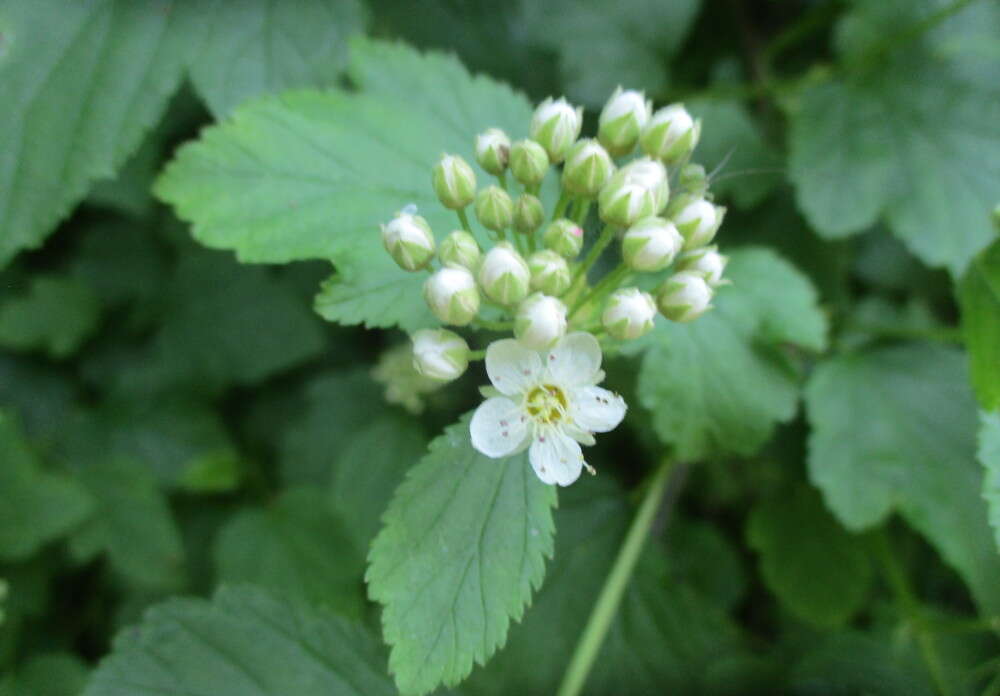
(575,360)
(511,367)
(596,409)
(555,457)
(498,427)
(579,434)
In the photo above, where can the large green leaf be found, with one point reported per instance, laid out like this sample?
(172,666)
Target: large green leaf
(979,297)
(55,674)
(242,642)
(463,546)
(989,457)
(894,430)
(56,315)
(909,134)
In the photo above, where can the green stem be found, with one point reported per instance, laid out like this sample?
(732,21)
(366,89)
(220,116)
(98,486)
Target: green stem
(464,219)
(580,275)
(560,210)
(502,176)
(493,325)
(582,210)
(607,284)
(614,586)
(477,354)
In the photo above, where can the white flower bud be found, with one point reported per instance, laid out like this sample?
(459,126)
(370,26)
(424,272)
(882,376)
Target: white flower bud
(555,126)
(707,261)
(528,162)
(671,134)
(629,314)
(651,244)
(549,272)
(540,321)
(622,120)
(638,190)
(588,167)
(504,275)
(528,214)
(460,249)
(697,220)
(493,150)
(454,182)
(684,296)
(564,237)
(409,241)
(452,295)
(494,208)
(440,354)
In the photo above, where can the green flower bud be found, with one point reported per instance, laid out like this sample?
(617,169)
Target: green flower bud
(459,248)
(409,241)
(549,272)
(528,162)
(622,120)
(588,167)
(564,237)
(493,150)
(540,321)
(684,296)
(504,275)
(629,313)
(638,190)
(651,244)
(452,295)
(555,126)
(697,220)
(528,214)
(494,208)
(671,134)
(440,354)
(694,180)
(454,182)
(706,261)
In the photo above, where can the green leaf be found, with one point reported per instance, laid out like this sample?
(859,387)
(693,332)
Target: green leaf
(989,457)
(55,674)
(36,507)
(82,83)
(242,642)
(894,430)
(979,298)
(721,383)
(804,553)
(908,135)
(56,315)
(700,556)
(463,546)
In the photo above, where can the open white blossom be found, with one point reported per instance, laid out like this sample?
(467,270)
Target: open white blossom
(548,402)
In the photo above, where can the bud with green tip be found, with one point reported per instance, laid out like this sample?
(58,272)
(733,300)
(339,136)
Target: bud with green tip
(684,296)
(629,313)
(693,179)
(504,275)
(454,182)
(622,120)
(549,272)
(528,162)
(708,262)
(651,244)
(493,150)
(555,126)
(494,208)
(638,190)
(540,321)
(452,295)
(670,134)
(588,167)
(460,248)
(409,241)
(564,237)
(697,220)
(529,214)
(440,354)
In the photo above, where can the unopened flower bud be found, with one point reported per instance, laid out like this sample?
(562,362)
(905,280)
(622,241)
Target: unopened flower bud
(494,208)
(493,150)
(588,167)
(440,354)
(555,126)
(409,241)
(670,134)
(697,220)
(504,275)
(651,244)
(638,190)
(694,180)
(540,321)
(684,296)
(528,162)
(706,261)
(622,121)
(454,182)
(460,249)
(564,237)
(549,272)
(629,314)
(452,295)
(528,214)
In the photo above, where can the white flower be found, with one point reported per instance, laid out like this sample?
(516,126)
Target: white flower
(540,321)
(629,313)
(440,354)
(549,403)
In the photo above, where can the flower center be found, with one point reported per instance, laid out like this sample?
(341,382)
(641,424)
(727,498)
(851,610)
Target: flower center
(546,403)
